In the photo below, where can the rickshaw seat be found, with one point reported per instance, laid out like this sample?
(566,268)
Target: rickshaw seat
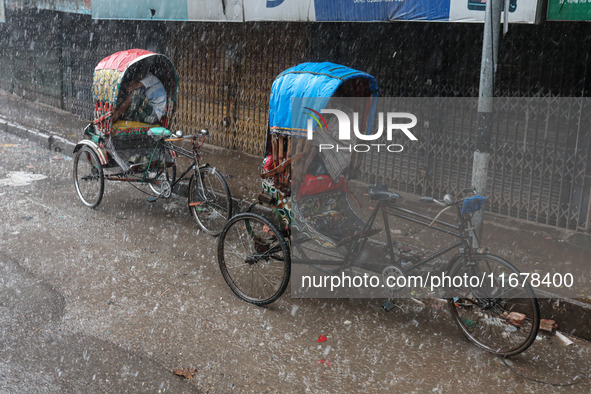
(129,127)
(381,193)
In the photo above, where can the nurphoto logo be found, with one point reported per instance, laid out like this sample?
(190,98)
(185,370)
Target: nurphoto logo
(402,121)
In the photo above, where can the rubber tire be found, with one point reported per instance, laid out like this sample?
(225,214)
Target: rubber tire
(95,162)
(246,220)
(197,213)
(457,267)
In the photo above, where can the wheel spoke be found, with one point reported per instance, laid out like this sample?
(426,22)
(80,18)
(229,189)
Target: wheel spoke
(88,177)
(211,206)
(503,320)
(254,259)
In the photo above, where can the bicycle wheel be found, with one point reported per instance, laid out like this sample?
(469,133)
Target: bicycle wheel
(89,177)
(210,201)
(496,314)
(161,177)
(254,258)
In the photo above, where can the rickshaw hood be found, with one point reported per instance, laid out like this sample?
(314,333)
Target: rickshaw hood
(109,73)
(121,60)
(318,81)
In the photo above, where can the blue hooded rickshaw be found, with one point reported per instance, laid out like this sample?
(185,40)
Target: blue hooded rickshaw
(315,222)
(302,188)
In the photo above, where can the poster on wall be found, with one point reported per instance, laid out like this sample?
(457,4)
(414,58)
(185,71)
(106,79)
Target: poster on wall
(70,6)
(179,10)
(519,11)
(372,10)
(140,9)
(208,10)
(280,10)
(569,10)
(345,10)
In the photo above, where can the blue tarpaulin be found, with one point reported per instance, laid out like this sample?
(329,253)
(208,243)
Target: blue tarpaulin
(377,10)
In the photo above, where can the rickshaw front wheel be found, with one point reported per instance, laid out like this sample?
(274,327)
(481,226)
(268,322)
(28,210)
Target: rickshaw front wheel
(89,177)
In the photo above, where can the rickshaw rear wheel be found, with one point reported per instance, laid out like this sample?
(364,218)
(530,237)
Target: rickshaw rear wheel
(210,201)
(89,177)
(254,258)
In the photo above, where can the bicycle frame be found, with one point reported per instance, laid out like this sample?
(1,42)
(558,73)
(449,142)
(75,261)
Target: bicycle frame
(387,209)
(459,231)
(160,146)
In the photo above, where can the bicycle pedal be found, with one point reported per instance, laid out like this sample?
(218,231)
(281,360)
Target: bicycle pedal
(152,199)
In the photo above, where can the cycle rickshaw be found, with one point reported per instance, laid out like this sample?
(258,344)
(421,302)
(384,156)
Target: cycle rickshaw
(144,154)
(310,204)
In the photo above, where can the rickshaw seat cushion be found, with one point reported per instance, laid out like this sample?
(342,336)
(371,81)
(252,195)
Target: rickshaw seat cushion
(130,127)
(320,184)
(159,132)
(381,193)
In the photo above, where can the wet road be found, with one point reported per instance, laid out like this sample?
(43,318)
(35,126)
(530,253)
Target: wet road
(113,299)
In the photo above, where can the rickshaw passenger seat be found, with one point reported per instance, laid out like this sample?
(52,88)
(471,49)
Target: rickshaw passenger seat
(381,193)
(129,127)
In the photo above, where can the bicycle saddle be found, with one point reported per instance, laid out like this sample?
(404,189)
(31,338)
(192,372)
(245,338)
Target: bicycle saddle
(381,193)
(158,133)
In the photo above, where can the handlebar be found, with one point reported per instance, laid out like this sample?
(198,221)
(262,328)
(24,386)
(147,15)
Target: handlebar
(203,132)
(448,200)
(469,203)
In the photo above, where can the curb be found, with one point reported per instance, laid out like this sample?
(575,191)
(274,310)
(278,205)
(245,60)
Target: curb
(49,141)
(573,317)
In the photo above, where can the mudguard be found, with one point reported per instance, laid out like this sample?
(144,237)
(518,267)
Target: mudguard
(94,146)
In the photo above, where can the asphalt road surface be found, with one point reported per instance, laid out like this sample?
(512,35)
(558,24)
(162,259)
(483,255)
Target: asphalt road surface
(113,299)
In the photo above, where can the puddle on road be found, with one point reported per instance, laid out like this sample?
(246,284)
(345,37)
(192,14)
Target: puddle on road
(20,178)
